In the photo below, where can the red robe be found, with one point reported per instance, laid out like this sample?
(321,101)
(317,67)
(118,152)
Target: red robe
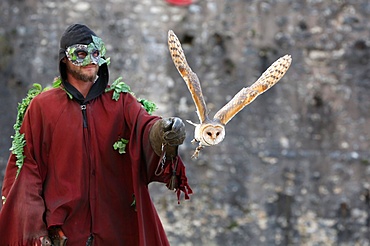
(73,177)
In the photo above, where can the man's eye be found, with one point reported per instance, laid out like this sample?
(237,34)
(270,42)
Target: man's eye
(96,53)
(81,54)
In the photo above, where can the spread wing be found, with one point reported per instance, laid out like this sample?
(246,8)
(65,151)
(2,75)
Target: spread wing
(191,79)
(245,96)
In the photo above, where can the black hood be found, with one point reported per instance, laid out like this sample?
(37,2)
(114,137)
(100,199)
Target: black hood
(81,34)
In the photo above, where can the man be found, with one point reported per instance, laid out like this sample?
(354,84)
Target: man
(72,185)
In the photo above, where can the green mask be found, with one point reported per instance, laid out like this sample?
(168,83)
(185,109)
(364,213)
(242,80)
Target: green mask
(82,54)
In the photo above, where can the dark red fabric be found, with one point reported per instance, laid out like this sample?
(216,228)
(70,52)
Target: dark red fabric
(73,177)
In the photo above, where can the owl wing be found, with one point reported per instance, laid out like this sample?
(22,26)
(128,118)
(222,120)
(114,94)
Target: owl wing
(246,95)
(190,78)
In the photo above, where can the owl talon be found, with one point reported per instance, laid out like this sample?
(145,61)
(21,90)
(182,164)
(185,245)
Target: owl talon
(197,151)
(195,155)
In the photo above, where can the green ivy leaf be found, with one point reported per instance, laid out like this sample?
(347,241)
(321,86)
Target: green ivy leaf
(19,141)
(149,106)
(120,145)
(58,84)
(99,44)
(107,60)
(72,54)
(118,87)
(102,61)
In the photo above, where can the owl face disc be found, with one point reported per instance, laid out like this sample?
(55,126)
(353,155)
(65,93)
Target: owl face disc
(212,134)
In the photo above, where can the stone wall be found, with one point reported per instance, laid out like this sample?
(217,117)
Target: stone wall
(294,167)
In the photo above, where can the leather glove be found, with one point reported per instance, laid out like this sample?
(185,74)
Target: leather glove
(170,132)
(174,131)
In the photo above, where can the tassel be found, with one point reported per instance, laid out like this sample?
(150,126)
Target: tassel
(173,182)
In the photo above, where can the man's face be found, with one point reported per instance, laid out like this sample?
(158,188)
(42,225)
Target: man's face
(86,73)
(83,60)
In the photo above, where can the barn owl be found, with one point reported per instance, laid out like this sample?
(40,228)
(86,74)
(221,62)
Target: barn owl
(212,131)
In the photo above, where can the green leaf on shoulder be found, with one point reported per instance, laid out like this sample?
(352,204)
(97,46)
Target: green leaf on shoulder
(149,106)
(118,87)
(57,83)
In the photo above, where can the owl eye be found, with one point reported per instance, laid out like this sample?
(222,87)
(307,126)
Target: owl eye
(217,133)
(209,134)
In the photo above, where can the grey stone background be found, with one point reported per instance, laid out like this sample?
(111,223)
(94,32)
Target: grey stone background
(294,168)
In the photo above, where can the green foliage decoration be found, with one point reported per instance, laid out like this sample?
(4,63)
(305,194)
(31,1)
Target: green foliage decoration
(120,145)
(149,106)
(19,141)
(97,44)
(57,83)
(118,87)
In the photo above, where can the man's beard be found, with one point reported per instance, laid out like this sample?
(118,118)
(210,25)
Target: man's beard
(77,74)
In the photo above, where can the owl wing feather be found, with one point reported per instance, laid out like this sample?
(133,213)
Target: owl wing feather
(246,95)
(190,78)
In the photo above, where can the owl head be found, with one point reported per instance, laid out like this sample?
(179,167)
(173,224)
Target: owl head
(210,133)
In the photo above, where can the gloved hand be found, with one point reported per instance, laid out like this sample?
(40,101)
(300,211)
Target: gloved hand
(174,131)
(169,132)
